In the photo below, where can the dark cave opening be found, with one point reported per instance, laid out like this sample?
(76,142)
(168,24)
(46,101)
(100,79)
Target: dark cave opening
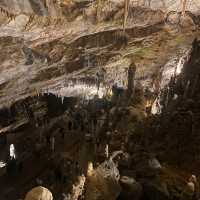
(33,111)
(57,106)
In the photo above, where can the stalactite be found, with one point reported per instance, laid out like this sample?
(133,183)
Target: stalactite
(62,99)
(98,11)
(183,4)
(126,8)
(7,14)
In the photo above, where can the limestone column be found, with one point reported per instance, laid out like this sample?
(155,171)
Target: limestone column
(131,78)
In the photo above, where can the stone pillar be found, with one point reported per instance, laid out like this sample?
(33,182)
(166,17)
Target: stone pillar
(131,78)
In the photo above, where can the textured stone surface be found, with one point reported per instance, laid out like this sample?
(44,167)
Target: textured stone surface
(39,193)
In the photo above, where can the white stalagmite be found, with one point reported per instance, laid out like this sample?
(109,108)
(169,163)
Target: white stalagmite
(107,151)
(156,107)
(12,152)
(179,66)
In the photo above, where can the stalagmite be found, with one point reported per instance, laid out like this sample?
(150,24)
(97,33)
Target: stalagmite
(90,169)
(156,107)
(107,151)
(131,79)
(12,152)
(179,66)
(167,96)
(185,95)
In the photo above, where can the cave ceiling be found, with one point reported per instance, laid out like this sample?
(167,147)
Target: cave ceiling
(73,41)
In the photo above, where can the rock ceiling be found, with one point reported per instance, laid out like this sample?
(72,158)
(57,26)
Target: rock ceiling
(69,47)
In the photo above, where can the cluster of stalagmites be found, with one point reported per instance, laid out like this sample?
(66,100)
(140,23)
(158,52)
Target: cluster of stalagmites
(148,179)
(173,132)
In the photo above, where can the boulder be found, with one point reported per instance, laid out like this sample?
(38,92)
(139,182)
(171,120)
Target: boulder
(39,193)
(131,189)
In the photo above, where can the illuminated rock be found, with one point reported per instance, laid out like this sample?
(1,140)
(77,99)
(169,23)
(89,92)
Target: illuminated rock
(39,193)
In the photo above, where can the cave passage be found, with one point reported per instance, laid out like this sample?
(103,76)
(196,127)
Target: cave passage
(99,100)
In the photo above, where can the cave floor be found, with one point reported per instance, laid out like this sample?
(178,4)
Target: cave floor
(39,166)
